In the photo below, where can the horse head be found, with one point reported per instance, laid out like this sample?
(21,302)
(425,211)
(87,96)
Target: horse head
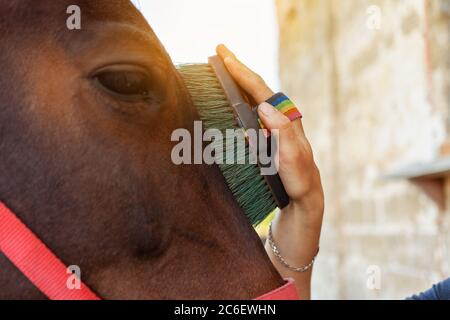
(85,125)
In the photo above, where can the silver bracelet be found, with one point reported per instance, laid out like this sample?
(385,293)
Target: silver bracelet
(282,260)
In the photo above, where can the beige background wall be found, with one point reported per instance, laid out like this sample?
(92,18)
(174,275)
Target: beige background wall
(373,79)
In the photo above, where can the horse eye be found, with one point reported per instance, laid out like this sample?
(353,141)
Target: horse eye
(126,84)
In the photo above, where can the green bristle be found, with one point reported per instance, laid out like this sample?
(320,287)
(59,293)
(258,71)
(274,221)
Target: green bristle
(245,181)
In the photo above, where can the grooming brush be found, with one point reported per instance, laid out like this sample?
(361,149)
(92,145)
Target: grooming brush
(222,105)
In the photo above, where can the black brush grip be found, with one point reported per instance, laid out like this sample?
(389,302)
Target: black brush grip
(247,119)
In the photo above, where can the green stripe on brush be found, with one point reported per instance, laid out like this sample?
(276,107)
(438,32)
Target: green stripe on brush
(244,180)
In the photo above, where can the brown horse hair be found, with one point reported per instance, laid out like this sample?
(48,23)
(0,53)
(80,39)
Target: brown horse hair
(91,175)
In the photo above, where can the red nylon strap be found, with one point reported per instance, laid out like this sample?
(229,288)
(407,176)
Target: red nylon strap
(286,292)
(20,245)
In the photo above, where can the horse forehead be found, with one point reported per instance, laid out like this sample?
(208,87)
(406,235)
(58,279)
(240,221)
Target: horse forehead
(30,13)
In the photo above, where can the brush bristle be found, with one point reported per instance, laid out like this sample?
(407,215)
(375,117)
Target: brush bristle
(245,180)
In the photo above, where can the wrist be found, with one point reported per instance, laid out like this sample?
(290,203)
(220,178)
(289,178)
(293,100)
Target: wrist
(281,259)
(297,241)
(306,213)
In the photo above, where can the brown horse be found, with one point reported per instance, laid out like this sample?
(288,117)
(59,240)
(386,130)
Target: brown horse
(85,125)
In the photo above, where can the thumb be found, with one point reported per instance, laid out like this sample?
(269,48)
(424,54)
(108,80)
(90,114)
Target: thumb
(272,118)
(288,149)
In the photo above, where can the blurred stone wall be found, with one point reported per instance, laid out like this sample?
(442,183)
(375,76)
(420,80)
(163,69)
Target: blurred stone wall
(372,79)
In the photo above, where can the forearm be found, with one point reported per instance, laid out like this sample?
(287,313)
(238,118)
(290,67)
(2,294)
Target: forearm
(296,232)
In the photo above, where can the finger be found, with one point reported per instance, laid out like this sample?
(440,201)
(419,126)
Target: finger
(294,151)
(248,80)
(227,54)
(224,52)
(271,117)
(274,119)
(289,146)
(298,127)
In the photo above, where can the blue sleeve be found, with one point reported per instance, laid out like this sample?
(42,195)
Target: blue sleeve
(440,291)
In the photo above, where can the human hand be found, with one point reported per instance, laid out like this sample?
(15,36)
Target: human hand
(297,168)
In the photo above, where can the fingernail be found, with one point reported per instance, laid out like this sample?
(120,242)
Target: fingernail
(267,109)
